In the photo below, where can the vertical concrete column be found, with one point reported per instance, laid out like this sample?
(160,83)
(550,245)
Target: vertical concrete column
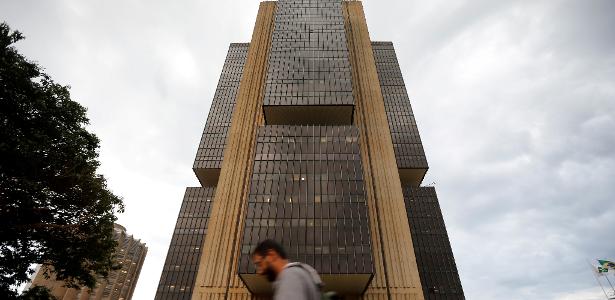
(217,275)
(397,274)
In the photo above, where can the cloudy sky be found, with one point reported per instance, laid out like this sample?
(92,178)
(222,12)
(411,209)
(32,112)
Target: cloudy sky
(515,102)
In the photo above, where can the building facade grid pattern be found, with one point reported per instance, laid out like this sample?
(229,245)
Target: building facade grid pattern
(308,62)
(183,256)
(434,256)
(211,148)
(407,145)
(130,254)
(307,193)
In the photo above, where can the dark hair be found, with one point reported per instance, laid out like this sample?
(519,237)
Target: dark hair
(263,247)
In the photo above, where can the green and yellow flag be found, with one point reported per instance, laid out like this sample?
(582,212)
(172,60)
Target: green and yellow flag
(606,264)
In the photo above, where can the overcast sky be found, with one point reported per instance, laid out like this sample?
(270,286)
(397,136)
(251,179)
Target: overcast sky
(515,102)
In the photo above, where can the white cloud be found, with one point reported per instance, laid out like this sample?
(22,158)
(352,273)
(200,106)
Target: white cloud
(585,294)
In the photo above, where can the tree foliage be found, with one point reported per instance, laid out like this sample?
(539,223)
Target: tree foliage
(54,208)
(37,293)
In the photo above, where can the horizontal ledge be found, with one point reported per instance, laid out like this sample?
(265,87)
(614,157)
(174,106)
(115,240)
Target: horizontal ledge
(308,114)
(342,284)
(207,177)
(412,176)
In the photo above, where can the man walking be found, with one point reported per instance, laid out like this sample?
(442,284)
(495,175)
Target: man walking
(291,280)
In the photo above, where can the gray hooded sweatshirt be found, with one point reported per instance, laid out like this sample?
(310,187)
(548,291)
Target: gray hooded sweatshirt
(297,281)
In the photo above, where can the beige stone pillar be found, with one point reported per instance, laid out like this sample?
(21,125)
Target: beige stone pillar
(397,274)
(217,276)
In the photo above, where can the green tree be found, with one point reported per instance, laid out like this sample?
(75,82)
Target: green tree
(54,208)
(37,293)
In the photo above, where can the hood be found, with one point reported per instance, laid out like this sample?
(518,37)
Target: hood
(313,274)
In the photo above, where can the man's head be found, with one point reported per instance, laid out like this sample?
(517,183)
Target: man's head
(269,258)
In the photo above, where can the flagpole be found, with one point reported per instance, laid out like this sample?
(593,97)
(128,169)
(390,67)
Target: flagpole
(607,279)
(598,280)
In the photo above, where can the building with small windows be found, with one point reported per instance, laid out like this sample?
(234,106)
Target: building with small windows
(311,141)
(119,285)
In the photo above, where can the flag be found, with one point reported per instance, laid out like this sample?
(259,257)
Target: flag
(606,264)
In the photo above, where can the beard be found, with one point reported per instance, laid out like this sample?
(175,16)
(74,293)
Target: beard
(270,274)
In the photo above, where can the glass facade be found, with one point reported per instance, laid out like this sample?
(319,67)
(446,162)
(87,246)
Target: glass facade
(308,78)
(407,145)
(307,187)
(434,256)
(182,262)
(308,62)
(210,153)
(307,193)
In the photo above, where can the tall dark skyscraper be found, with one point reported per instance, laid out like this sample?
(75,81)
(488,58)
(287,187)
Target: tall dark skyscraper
(311,141)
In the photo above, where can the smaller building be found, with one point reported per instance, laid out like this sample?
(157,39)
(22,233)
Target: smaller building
(119,285)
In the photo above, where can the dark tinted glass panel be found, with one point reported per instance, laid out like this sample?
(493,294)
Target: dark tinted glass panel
(213,141)
(407,144)
(434,256)
(307,193)
(308,62)
(181,264)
